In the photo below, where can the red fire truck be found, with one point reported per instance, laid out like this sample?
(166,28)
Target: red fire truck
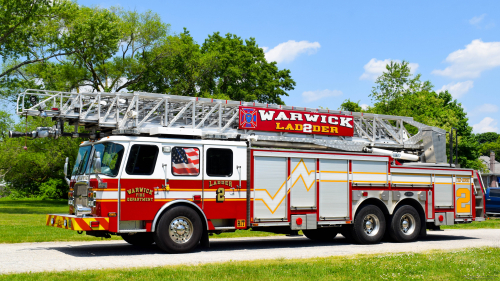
(171,170)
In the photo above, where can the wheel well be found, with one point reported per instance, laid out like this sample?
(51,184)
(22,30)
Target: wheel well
(170,205)
(376,202)
(420,210)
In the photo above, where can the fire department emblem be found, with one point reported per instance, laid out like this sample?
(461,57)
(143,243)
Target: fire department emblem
(248,118)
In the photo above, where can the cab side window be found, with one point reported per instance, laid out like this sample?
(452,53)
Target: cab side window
(142,159)
(219,162)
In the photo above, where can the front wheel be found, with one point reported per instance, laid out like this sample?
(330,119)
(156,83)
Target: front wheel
(179,230)
(369,225)
(405,224)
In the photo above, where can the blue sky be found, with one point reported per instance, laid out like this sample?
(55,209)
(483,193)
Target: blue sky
(335,49)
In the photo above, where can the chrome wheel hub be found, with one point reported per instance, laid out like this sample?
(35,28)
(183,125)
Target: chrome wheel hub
(407,224)
(371,224)
(180,230)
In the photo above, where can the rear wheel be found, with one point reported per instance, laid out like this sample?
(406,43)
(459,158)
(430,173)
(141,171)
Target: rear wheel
(179,230)
(325,234)
(369,225)
(139,239)
(405,224)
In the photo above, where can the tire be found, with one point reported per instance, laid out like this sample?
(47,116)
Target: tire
(405,224)
(325,234)
(139,239)
(369,225)
(179,230)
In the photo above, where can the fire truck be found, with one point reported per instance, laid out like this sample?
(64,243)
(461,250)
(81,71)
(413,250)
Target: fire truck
(173,170)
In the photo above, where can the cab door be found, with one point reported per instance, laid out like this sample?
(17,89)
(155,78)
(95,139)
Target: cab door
(141,177)
(225,185)
(182,173)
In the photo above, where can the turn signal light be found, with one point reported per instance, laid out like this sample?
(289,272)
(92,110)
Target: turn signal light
(365,193)
(441,218)
(112,214)
(94,224)
(298,221)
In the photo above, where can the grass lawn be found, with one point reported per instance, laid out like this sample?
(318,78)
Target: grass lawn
(488,223)
(24,221)
(477,263)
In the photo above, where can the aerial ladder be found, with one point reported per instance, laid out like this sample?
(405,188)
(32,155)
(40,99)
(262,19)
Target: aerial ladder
(150,114)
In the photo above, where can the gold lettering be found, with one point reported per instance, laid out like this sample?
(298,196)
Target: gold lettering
(334,130)
(325,129)
(278,126)
(316,128)
(129,191)
(231,183)
(298,127)
(289,127)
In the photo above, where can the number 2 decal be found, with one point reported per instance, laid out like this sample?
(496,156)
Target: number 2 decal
(220,194)
(463,203)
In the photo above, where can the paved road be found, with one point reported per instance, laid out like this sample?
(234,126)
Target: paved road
(49,256)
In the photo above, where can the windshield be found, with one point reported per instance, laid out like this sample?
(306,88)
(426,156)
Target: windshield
(111,158)
(81,160)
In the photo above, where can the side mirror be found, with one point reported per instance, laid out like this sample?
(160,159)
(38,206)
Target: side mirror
(66,167)
(97,162)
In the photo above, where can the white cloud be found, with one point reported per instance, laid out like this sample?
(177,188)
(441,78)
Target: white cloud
(488,107)
(477,20)
(288,51)
(310,96)
(485,108)
(477,57)
(364,106)
(457,90)
(374,68)
(488,124)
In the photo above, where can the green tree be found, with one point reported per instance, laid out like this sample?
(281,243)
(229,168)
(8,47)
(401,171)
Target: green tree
(349,105)
(488,137)
(222,67)
(397,92)
(105,51)
(37,171)
(30,31)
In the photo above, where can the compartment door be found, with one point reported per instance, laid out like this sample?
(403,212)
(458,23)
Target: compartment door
(333,189)
(270,188)
(303,184)
(443,191)
(463,198)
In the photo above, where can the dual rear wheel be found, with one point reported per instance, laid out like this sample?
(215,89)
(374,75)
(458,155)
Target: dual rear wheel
(369,226)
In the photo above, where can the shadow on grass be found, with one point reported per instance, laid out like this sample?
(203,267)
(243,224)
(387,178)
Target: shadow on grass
(218,245)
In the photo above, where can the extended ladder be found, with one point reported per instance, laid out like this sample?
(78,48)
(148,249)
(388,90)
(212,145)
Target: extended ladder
(159,114)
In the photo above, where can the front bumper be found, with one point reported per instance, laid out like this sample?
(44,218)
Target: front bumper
(77,223)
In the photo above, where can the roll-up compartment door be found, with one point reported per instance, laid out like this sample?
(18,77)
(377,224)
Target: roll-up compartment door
(270,190)
(333,189)
(303,183)
(369,172)
(443,191)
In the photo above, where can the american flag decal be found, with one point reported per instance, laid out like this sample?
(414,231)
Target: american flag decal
(185,161)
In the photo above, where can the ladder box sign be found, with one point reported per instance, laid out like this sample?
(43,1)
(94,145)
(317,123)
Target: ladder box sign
(289,121)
